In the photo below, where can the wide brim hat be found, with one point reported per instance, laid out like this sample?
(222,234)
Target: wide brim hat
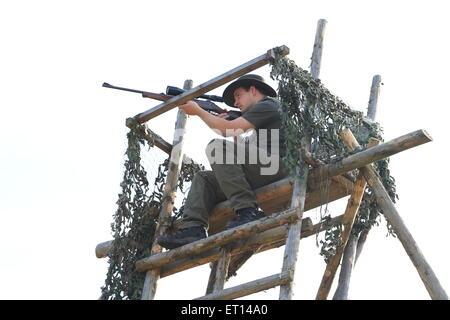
(247,80)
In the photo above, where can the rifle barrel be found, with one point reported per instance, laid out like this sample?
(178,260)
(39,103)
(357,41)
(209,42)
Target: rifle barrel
(145,94)
(206,105)
(107,85)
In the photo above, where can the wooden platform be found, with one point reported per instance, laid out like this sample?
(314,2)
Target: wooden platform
(276,197)
(272,198)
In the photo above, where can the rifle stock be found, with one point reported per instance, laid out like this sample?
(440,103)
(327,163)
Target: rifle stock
(156,96)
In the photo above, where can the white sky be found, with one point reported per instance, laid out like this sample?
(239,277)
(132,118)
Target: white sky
(62,136)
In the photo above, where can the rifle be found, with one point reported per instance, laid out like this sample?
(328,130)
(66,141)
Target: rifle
(171,91)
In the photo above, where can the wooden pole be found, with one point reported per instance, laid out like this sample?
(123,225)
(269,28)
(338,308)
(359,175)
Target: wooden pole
(351,250)
(346,270)
(170,190)
(374,154)
(217,240)
(222,269)
(348,220)
(160,142)
(374,94)
(316,58)
(275,235)
(371,113)
(266,240)
(293,237)
(300,186)
(427,275)
(212,277)
(208,86)
(250,287)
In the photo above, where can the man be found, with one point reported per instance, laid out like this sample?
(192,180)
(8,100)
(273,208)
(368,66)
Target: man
(237,168)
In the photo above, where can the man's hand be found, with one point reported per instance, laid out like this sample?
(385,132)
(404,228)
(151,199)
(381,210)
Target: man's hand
(226,128)
(223,115)
(191,108)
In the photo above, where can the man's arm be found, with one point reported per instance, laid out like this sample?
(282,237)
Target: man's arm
(226,128)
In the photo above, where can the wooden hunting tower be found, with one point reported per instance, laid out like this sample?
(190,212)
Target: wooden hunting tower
(283,202)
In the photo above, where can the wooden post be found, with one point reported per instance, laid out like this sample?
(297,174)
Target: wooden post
(212,277)
(348,220)
(346,270)
(351,251)
(374,93)
(384,150)
(300,185)
(269,239)
(316,57)
(371,113)
(222,269)
(427,275)
(156,261)
(250,287)
(170,190)
(293,237)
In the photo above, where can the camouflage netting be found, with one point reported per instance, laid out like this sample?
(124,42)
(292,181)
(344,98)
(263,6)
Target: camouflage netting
(309,108)
(134,225)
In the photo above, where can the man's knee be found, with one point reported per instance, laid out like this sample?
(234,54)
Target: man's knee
(202,175)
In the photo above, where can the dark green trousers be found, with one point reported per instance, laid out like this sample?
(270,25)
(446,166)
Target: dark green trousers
(232,179)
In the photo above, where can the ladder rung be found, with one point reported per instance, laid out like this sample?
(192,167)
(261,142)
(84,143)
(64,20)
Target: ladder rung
(250,287)
(217,240)
(269,239)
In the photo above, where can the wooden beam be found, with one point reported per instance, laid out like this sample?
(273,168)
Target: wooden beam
(212,277)
(165,146)
(217,240)
(208,86)
(250,287)
(279,191)
(351,251)
(371,114)
(222,269)
(346,271)
(169,195)
(293,237)
(159,142)
(102,249)
(349,218)
(374,94)
(272,198)
(301,182)
(427,275)
(266,240)
(374,154)
(316,57)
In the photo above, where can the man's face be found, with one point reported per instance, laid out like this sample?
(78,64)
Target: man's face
(243,99)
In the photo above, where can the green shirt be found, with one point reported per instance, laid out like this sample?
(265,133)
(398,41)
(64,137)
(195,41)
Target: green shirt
(266,114)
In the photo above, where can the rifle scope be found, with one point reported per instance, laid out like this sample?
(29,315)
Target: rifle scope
(174,91)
